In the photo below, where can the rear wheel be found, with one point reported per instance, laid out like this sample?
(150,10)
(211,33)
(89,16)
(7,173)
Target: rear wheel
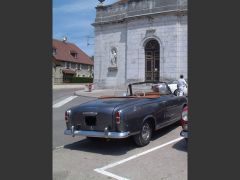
(144,137)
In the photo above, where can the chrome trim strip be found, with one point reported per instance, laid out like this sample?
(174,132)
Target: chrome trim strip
(114,135)
(90,113)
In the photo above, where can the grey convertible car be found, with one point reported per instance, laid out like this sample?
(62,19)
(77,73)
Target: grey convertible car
(146,107)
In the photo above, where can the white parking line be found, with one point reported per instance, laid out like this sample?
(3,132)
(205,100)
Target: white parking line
(103,169)
(106,173)
(61,103)
(59,147)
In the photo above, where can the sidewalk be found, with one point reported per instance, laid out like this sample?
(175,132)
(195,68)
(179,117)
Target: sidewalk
(82,90)
(69,86)
(100,92)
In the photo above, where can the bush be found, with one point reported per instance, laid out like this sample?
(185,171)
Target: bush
(81,80)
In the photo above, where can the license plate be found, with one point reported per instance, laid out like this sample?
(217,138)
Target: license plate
(90,120)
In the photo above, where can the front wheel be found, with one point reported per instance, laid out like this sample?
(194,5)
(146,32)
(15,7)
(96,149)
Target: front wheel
(144,137)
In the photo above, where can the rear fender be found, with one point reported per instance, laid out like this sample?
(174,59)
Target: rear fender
(150,117)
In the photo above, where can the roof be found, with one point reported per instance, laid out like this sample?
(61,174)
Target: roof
(56,62)
(63,53)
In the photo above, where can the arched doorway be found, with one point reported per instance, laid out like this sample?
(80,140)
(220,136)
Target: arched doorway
(152,64)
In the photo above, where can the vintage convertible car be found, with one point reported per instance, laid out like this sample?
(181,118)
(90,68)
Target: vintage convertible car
(141,111)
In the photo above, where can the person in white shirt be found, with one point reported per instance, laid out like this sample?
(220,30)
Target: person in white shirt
(181,85)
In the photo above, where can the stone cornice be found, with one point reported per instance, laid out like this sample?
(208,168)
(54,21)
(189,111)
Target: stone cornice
(126,17)
(119,12)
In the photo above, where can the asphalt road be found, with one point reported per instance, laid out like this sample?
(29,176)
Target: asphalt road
(59,139)
(165,158)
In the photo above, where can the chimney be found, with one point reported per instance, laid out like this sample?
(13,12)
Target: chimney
(64,39)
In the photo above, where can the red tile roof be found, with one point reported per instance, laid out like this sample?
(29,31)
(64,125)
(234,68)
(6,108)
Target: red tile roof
(63,50)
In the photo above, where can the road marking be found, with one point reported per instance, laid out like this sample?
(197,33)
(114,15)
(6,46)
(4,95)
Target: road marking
(103,169)
(59,147)
(61,103)
(106,173)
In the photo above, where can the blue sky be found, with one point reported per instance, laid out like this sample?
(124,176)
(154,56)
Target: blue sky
(73,18)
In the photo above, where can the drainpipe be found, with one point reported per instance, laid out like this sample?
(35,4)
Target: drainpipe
(178,42)
(178,46)
(126,54)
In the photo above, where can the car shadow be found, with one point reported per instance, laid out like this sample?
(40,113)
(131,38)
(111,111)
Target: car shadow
(115,147)
(161,132)
(181,145)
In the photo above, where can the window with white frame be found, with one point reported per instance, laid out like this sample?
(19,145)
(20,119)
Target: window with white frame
(84,66)
(73,65)
(68,65)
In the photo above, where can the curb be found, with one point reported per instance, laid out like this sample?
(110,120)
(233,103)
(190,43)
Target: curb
(79,88)
(94,95)
(85,95)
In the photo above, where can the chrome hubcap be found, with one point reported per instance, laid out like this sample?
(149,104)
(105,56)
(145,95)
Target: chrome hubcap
(146,131)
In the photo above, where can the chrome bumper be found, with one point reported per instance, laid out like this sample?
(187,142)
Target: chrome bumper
(184,134)
(104,134)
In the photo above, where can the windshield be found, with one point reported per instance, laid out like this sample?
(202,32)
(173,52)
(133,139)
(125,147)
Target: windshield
(149,88)
(173,82)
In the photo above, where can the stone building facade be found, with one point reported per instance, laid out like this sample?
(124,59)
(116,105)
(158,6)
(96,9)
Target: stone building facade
(140,40)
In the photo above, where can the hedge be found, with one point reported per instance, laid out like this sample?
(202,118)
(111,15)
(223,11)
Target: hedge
(81,80)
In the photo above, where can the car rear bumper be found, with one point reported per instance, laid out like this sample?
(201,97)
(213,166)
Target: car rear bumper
(184,134)
(104,134)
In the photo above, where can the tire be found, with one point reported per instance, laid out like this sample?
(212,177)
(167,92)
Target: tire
(144,137)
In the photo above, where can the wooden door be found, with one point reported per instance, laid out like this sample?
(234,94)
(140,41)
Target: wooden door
(152,64)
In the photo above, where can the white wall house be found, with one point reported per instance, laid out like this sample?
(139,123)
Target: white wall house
(69,61)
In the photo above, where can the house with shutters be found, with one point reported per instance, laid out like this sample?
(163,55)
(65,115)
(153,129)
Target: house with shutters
(69,61)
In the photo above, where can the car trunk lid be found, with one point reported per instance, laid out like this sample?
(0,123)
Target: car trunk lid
(97,115)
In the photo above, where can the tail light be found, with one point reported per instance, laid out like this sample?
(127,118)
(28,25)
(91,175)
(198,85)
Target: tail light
(184,120)
(67,115)
(118,118)
(185,114)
